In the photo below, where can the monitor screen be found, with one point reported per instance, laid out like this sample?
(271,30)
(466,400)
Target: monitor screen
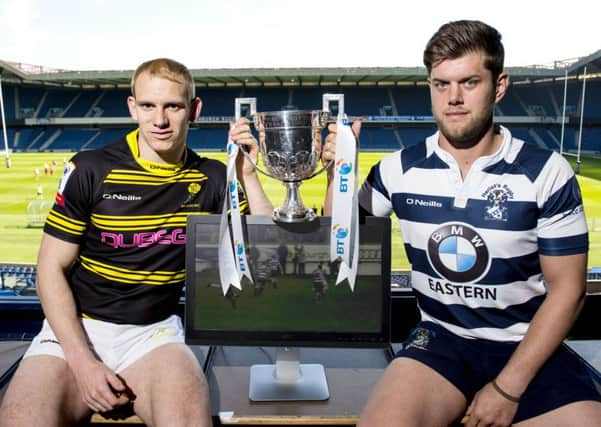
(294,300)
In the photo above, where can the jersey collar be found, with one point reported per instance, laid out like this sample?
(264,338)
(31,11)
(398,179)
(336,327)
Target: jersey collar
(156,168)
(432,147)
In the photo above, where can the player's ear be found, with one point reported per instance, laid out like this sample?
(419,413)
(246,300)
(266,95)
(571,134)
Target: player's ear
(195,108)
(131,106)
(501,86)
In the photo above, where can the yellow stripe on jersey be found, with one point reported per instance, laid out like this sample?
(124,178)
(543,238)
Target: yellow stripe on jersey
(124,275)
(140,222)
(121,176)
(66,224)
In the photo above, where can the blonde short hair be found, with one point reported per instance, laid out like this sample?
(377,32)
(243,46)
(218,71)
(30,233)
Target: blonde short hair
(168,69)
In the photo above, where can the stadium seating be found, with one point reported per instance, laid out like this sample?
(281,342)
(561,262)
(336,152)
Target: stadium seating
(14,279)
(412,100)
(24,277)
(534,100)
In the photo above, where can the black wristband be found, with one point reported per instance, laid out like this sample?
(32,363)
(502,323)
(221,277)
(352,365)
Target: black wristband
(504,393)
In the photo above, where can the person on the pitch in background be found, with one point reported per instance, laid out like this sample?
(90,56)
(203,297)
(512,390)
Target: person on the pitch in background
(496,235)
(111,268)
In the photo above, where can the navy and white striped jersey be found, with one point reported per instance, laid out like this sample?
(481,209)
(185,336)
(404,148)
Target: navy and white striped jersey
(474,243)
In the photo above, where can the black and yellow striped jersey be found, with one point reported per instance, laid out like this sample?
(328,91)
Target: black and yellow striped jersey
(128,216)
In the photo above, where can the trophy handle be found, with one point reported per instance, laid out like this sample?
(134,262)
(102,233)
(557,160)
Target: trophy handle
(327,98)
(252,104)
(338,97)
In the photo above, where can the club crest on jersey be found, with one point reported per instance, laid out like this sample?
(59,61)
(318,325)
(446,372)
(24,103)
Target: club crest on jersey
(420,338)
(67,171)
(458,253)
(497,196)
(193,190)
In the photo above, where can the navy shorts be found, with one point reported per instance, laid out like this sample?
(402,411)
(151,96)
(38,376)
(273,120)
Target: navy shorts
(469,364)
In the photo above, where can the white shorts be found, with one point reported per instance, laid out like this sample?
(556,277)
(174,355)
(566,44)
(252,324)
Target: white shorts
(118,346)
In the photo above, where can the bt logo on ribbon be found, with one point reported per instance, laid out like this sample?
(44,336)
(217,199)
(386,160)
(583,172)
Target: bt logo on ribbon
(232,150)
(240,254)
(233,200)
(343,169)
(340,233)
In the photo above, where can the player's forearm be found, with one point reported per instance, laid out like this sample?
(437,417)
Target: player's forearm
(547,330)
(60,311)
(327,204)
(258,202)
(57,299)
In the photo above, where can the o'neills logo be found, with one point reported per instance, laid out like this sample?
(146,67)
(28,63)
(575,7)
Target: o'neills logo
(162,167)
(124,197)
(424,203)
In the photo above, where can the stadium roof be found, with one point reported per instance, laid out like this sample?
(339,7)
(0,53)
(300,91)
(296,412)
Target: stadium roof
(591,62)
(278,77)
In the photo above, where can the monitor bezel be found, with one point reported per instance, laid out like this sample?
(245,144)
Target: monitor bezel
(376,339)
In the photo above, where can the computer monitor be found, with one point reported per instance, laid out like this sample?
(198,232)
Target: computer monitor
(293,302)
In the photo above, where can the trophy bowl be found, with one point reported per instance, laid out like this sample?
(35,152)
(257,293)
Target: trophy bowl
(290,146)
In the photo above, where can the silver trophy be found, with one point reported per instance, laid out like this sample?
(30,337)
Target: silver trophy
(290,145)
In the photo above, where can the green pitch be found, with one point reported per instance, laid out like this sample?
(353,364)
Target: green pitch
(19,187)
(290,302)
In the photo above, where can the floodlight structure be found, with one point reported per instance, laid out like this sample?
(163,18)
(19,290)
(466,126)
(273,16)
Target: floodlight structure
(581,116)
(567,64)
(4,125)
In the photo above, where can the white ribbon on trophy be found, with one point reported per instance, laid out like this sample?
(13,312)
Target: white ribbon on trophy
(233,264)
(344,235)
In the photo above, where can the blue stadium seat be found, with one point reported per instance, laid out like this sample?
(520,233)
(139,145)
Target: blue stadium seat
(542,99)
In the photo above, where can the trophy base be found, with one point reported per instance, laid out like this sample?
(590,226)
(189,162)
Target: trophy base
(281,215)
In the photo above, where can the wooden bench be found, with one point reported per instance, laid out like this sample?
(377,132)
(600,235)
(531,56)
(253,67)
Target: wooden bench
(99,419)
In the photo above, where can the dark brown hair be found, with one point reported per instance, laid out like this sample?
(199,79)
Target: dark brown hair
(458,38)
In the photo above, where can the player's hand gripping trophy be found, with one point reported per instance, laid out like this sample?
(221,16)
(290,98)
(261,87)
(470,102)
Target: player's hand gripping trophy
(290,145)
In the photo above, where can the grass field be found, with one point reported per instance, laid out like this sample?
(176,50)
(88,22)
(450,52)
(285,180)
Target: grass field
(292,305)
(18,187)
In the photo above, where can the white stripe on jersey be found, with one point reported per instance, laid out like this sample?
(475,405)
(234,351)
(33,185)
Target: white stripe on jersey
(373,201)
(518,242)
(562,225)
(506,295)
(512,334)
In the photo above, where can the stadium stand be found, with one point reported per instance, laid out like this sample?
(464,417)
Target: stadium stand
(373,102)
(17,280)
(23,277)
(67,112)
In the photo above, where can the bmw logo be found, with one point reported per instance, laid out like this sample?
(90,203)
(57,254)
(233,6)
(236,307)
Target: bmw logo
(458,253)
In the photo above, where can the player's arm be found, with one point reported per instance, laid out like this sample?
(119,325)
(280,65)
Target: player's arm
(93,377)
(565,277)
(241,134)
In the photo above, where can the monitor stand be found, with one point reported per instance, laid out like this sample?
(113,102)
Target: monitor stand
(287,379)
